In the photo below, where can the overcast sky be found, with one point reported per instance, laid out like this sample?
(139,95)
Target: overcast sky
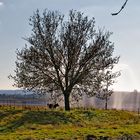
(14,15)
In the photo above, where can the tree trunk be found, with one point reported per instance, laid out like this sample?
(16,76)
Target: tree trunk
(106,100)
(106,106)
(66,102)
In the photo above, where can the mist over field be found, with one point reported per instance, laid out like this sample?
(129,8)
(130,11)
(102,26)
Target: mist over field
(118,100)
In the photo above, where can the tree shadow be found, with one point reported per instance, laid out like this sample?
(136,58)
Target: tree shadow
(7,113)
(37,117)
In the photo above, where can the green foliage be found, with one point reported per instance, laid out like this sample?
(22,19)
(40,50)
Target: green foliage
(76,124)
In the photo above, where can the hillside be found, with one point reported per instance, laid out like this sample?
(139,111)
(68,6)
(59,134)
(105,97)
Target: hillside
(57,124)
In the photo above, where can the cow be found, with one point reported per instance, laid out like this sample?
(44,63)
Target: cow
(52,106)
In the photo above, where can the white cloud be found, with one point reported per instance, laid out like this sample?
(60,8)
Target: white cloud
(1,3)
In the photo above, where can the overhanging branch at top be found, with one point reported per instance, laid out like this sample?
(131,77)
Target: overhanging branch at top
(114,14)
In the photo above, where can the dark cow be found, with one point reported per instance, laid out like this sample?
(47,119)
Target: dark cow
(52,106)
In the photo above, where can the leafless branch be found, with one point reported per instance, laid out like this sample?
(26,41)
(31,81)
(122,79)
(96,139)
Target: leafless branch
(114,14)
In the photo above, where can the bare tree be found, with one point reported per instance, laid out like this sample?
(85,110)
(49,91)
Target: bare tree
(108,79)
(63,56)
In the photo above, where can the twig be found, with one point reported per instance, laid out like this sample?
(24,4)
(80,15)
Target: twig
(114,14)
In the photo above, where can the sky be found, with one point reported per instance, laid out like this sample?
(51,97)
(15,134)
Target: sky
(14,25)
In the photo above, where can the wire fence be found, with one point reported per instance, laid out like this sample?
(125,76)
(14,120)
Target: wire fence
(23,103)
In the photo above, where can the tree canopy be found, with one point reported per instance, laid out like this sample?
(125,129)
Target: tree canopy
(65,56)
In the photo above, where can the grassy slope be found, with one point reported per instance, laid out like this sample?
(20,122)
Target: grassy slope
(27,125)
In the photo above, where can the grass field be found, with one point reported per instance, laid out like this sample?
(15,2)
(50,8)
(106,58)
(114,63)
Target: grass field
(17,124)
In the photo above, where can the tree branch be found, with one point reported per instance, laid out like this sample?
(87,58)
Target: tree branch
(114,14)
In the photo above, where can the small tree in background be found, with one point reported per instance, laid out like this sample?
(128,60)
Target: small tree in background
(108,79)
(65,57)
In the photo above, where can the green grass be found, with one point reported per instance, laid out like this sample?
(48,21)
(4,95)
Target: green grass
(17,124)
